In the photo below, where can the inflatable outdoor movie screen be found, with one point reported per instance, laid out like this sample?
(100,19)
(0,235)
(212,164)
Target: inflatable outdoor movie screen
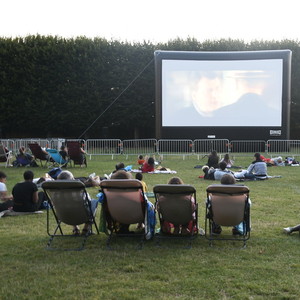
(223,95)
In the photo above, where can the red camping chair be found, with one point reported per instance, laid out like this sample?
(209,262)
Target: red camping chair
(75,154)
(39,154)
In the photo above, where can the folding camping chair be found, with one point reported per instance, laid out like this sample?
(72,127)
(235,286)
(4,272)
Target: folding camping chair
(75,154)
(70,205)
(177,206)
(58,160)
(39,154)
(124,203)
(5,156)
(227,206)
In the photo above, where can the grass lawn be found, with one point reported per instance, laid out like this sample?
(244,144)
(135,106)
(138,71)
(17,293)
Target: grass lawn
(268,267)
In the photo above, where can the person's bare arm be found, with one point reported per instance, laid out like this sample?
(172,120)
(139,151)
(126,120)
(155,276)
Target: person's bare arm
(5,197)
(35,197)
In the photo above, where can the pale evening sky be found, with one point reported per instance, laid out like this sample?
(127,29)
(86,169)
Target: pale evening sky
(154,21)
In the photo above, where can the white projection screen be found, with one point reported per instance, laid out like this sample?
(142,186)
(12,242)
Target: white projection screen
(234,95)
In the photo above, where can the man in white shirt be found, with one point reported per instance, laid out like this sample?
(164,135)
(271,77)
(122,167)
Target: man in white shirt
(6,201)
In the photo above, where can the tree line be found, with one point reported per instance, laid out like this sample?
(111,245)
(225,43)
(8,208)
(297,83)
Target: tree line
(98,88)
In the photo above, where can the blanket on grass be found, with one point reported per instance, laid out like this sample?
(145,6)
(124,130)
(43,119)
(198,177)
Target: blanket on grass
(258,178)
(232,167)
(155,171)
(246,179)
(17,213)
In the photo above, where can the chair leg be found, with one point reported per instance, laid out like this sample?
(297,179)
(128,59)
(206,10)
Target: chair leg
(50,242)
(108,242)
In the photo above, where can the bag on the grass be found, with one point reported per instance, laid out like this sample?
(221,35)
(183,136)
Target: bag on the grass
(55,172)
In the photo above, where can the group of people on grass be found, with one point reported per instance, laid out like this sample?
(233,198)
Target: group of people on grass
(216,168)
(26,159)
(25,196)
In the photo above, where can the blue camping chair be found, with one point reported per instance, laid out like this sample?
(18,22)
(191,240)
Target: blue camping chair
(57,158)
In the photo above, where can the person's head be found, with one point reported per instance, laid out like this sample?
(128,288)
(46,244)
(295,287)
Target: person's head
(121,174)
(257,156)
(228,179)
(222,165)
(120,166)
(22,150)
(65,175)
(226,157)
(279,159)
(141,156)
(139,176)
(2,176)
(62,148)
(205,169)
(175,180)
(214,153)
(151,161)
(28,175)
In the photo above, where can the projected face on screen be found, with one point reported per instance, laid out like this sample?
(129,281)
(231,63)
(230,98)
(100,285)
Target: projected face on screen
(207,95)
(218,89)
(221,93)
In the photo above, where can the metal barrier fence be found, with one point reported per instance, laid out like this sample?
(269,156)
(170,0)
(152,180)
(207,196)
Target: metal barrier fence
(164,147)
(143,146)
(246,146)
(283,147)
(9,144)
(205,146)
(24,142)
(175,147)
(56,143)
(103,147)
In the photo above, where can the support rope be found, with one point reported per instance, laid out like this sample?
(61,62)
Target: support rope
(116,99)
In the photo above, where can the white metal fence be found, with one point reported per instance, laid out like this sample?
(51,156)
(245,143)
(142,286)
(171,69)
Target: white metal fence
(205,146)
(283,147)
(103,147)
(17,143)
(136,147)
(175,147)
(238,147)
(163,147)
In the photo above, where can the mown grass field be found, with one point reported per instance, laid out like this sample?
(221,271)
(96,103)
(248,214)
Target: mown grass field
(268,268)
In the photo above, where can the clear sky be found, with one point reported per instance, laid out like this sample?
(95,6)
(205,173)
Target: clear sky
(154,21)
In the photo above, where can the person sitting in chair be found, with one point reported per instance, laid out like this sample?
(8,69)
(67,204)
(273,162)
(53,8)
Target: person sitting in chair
(184,228)
(64,154)
(124,228)
(238,229)
(23,158)
(67,175)
(82,153)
